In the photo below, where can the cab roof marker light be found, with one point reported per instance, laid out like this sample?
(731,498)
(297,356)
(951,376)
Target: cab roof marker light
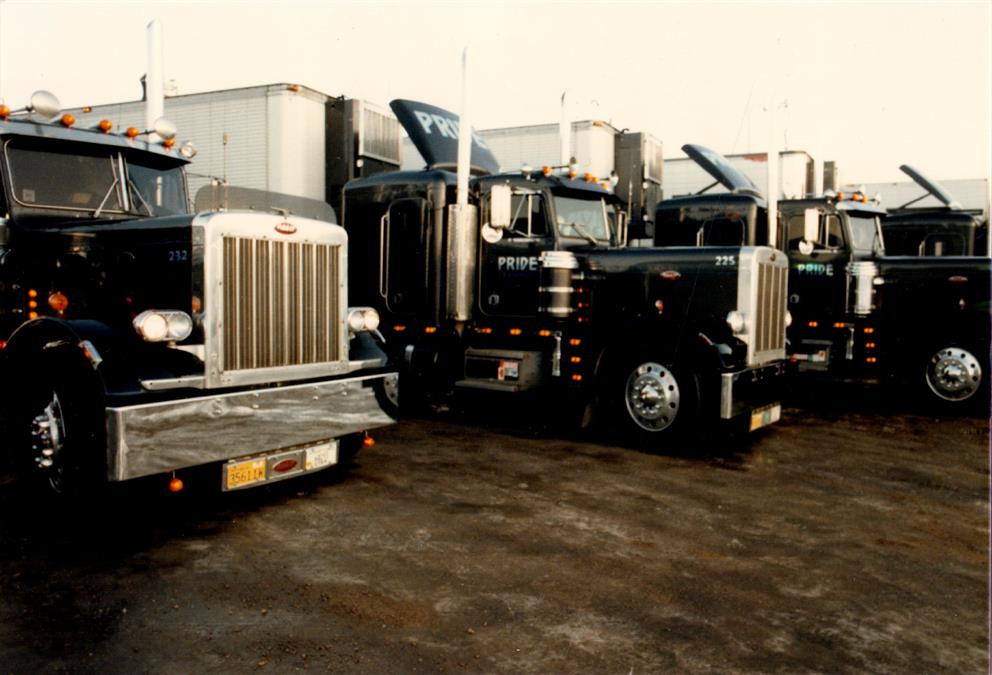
(105,126)
(67,120)
(4,112)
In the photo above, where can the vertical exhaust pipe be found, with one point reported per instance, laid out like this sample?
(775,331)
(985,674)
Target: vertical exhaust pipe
(154,96)
(463,230)
(773,182)
(565,133)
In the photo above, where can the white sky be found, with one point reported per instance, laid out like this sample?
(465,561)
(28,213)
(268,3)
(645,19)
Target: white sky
(870,85)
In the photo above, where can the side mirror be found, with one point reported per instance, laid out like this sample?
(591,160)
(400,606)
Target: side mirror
(811,228)
(499,206)
(622,228)
(499,213)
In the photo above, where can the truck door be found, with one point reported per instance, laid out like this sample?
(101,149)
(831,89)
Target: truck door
(817,273)
(404,248)
(509,268)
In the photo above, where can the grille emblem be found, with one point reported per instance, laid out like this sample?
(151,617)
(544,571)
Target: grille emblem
(286,228)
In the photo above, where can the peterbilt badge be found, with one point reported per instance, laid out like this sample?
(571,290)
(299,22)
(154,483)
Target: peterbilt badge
(286,228)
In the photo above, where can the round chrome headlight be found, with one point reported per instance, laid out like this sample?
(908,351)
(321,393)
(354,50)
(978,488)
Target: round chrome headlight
(736,322)
(362,319)
(371,319)
(788,318)
(161,325)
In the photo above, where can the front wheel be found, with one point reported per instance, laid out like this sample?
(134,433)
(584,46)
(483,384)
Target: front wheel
(655,401)
(953,375)
(59,429)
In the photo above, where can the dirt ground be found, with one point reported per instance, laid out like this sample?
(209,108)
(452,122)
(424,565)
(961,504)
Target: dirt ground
(852,539)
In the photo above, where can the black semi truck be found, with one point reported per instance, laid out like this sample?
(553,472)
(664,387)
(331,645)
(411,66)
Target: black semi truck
(923,322)
(946,230)
(529,288)
(139,338)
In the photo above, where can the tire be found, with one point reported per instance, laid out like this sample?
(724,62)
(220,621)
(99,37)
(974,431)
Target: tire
(60,433)
(954,377)
(654,401)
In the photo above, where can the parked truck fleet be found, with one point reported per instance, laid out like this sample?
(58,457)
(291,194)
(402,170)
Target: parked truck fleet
(144,331)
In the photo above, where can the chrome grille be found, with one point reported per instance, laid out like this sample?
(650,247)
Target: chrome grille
(280,303)
(771,304)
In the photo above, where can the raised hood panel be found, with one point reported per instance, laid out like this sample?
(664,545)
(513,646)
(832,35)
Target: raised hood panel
(723,171)
(434,132)
(931,186)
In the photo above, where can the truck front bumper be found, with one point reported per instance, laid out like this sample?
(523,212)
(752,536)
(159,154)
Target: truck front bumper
(168,435)
(753,393)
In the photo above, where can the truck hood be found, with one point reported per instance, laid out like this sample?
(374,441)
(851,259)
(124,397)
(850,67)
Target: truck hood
(434,132)
(723,171)
(931,186)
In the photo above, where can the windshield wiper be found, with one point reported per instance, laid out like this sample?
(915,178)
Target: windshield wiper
(99,209)
(592,240)
(133,189)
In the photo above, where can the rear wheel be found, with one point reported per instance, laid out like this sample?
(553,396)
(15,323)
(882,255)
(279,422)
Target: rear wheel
(655,401)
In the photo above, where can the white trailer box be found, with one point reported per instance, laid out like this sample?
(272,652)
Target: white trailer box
(796,174)
(538,145)
(279,138)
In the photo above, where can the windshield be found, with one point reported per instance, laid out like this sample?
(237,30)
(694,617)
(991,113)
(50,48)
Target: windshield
(81,177)
(718,225)
(864,232)
(582,218)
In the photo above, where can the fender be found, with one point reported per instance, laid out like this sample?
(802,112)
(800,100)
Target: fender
(119,361)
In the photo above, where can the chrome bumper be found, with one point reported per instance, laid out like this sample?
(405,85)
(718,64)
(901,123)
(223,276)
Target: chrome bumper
(169,435)
(744,391)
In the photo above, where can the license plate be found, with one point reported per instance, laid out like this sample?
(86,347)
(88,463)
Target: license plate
(765,416)
(242,474)
(321,455)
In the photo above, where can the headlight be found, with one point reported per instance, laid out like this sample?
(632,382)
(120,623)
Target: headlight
(362,319)
(788,318)
(161,325)
(736,322)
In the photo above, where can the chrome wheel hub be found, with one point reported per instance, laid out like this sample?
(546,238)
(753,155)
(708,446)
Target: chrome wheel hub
(47,437)
(652,396)
(954,374)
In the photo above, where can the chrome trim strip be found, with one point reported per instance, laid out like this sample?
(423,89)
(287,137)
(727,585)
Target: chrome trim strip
(165,436)
(727,395)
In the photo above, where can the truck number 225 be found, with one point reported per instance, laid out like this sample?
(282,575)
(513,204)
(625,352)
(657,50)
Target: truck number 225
(725,260)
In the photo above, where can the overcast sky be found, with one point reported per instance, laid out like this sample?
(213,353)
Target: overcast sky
(869,85)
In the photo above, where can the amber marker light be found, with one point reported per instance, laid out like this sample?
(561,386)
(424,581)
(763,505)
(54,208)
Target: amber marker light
(132,132)
(399,328)
(546,170)
(813,324)
(32,293)
(175,485)
(368,442)
(515,331)
(576,378)
(4,112)
(871,359)
(105,126)
(169,143)
(67,120)
(32,315)
(3,344)
(430,330)
(869,330)
(576,359)
(840,324)
(58,302)
(869,345)
(544,333)
(575,342)
(486,330)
